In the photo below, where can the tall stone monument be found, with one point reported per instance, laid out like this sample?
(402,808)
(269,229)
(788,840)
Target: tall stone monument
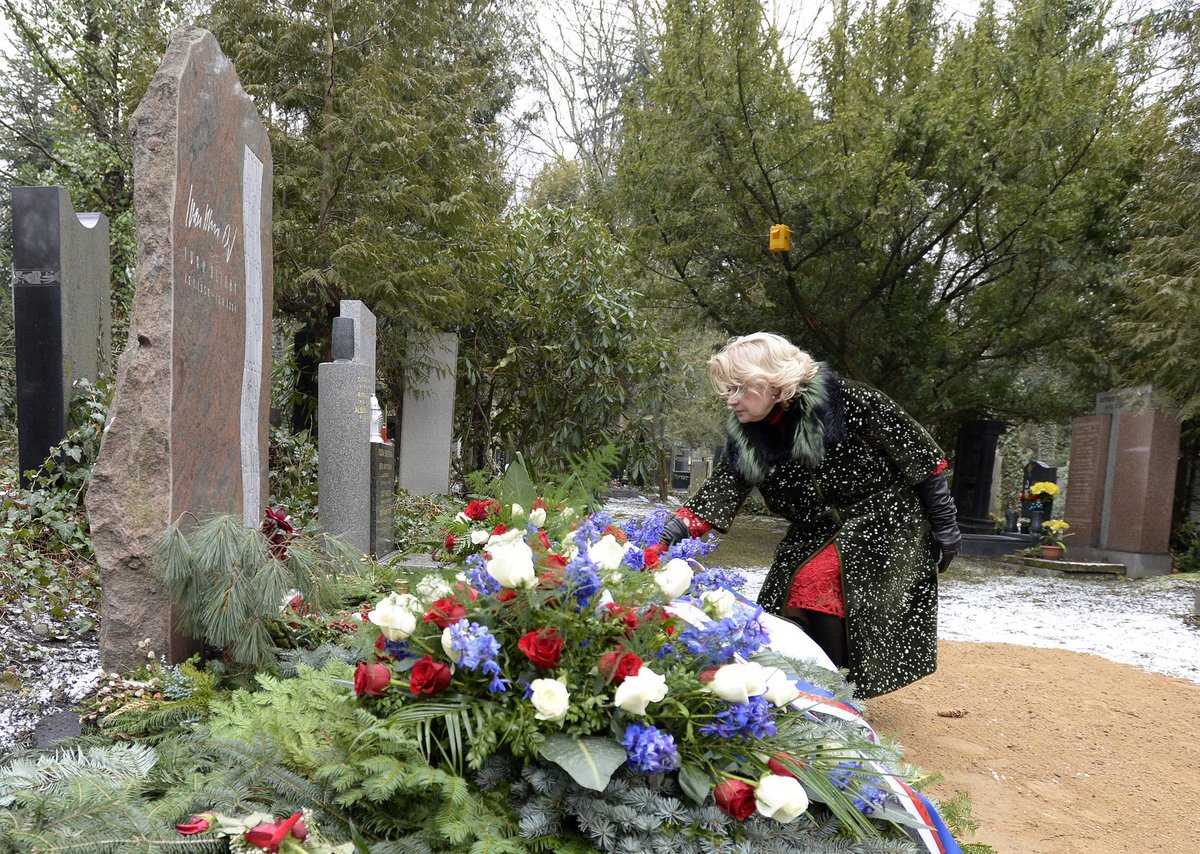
(187,432)
(1124,460)
(61,307)
(345,387)
(427,419)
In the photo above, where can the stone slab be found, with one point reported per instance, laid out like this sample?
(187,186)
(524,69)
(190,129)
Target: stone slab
(1143,466)
(187,431)
(1089,472)
(62,294)
(344,450)
(427,420)
(383,497)
(992,545)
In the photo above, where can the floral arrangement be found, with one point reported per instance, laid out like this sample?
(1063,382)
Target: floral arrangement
(1040,494)
(581,644)
(1053,533)
(262,832)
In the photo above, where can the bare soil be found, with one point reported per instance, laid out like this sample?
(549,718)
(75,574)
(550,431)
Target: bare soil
(1061,752)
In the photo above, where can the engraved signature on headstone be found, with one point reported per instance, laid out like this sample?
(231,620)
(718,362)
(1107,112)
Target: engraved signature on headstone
(206,221)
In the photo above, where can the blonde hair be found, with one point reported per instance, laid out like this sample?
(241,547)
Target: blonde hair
(762,357)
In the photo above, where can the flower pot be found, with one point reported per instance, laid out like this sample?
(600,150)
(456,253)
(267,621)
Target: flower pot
(1036,518)
(1053,552)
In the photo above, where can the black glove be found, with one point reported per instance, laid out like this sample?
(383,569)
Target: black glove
(943,517)
(675,530)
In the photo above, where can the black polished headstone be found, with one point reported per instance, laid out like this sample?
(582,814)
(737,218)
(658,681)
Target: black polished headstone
(974,461)
(61,293)
(1036,472)
(383,498)
(343,339)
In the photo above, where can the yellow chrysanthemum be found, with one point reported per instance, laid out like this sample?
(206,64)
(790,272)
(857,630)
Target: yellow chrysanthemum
(1044,487)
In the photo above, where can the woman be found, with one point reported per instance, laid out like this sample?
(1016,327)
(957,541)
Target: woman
(863,486)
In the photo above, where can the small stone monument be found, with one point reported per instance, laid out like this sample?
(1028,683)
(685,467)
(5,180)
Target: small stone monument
(345,388)
(1036,471)
(427,419)
(187,432)
(974,468)
(1124,460)
(61,311)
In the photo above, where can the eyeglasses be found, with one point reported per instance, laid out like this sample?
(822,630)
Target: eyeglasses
(740,390)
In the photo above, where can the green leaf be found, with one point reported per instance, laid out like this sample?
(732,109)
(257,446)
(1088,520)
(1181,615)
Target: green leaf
(589,761)
(695,782)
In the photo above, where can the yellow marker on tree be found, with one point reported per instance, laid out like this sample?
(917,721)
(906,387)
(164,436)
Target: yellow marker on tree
(781,238)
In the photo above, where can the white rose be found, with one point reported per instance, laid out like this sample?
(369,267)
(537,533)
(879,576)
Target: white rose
(738,682)
(512,564)
(393,614)
(480,536)
(508,536)
(675,578)
(551,699)
(637,691)
(722,602)
(780,688)
(568,513)
(607,554)
(537,516)
(453,654)
(780,798)
(463,518)
(518,510)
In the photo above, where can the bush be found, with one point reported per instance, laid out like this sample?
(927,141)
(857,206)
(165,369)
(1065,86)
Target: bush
(1185,546)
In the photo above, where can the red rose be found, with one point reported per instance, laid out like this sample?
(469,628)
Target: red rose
(615,666)
(550,578)
(381,644)
(625,614)
(735,798)
(651,557)
(708,675)
(278,529)
(543,539)
(781,762)
(429,677)
(538,504)
(371,680)
(617,533)
(195,824)
(557,561)
(268,836)
(506,595)
(543,647)
(498,530)
(450,542)
(657,614)
(445,611)
(477,511)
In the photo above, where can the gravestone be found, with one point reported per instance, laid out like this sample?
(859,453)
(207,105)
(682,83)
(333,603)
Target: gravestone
(974,469)
(1124,460)
(383,497)
(345,387)
(427,418)
(61,312)
(187,432)
(1036,471)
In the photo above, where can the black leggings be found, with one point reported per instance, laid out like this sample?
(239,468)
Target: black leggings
(827,631)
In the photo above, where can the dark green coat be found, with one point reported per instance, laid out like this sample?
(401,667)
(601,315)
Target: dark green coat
(847,477)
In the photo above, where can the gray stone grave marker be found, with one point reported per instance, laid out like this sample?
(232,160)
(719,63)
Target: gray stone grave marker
(345,386)
(61,308)
(187,432)
(427,420)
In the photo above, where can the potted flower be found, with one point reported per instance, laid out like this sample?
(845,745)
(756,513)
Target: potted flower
(1053,533)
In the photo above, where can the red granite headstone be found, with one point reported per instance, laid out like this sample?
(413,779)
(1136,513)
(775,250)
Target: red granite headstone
(187,432)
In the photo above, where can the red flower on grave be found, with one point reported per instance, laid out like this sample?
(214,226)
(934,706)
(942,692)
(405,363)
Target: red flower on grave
(615,666)
(477,511)
(429,677)
(195,824)
(735,798)
(371,680)
(542,647)
(450,542)
(650,557)
(278,529)
(269,836)
(538,504)
(445,612)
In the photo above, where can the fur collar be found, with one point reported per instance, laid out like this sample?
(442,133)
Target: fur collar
(813,422)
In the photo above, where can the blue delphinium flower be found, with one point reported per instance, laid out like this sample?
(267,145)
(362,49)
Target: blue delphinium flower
(716,577)
(478,650)
(478,577)
(644,533)
(582,579)
(720,640)
(650,750)
(635,558)
(397,649)
(591,529)
(751,720)
(691,548)
(870,800)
